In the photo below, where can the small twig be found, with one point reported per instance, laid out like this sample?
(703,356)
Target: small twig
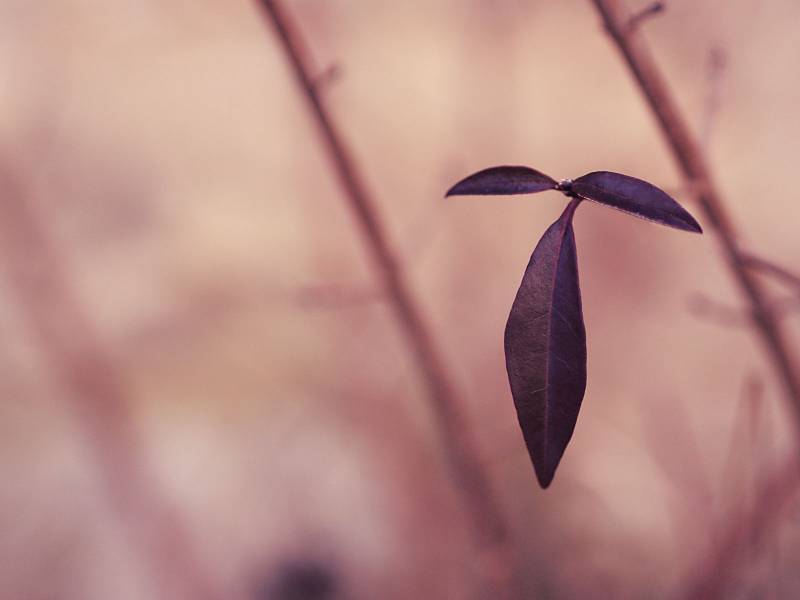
(745,529)
(652,9)
(773,269)
(704,307)
(485,515)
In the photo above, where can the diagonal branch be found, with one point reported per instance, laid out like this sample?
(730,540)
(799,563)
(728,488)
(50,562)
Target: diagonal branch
(770,268)
(689,156)
(483,509)
(708,583)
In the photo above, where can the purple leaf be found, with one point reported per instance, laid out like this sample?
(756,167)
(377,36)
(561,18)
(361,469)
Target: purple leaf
(503,180)
(636,197)
(545,343)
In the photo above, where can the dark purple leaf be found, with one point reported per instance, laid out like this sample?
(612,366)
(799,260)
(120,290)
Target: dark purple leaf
(636,197)
(503,180)
(545,344)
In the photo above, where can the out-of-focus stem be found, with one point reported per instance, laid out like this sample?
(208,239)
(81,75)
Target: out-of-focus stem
(689,156)
(472,481)
(709,580)
(775,270)
(39,284)
(744,529)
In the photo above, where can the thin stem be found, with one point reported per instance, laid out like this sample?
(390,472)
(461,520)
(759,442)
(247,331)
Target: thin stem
(745,530)
(771,268)
(691,161)
(483,510)
(647,12)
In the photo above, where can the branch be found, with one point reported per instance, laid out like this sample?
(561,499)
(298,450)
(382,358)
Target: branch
(39,283)
(770,268)
(745,530)
(484,512)
(690,159)
(728,316)
(651,10)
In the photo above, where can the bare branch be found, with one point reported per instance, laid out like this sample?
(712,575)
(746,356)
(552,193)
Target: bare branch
(709,580)
(773,269)
(744,530)
(486,516)
(703,307)
(716,312)
(689,156)
(651,10)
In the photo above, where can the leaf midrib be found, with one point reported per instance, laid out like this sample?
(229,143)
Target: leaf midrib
(550,311)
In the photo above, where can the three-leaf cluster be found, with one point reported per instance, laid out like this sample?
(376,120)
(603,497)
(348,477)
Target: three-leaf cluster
(545,338)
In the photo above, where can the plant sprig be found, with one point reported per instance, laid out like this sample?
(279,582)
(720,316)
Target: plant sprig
(545,337)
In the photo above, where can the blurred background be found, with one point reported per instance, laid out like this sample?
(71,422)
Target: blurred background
(204,391)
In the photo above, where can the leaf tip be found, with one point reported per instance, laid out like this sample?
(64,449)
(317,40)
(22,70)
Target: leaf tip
(687,222)
(545,479)
(453,191)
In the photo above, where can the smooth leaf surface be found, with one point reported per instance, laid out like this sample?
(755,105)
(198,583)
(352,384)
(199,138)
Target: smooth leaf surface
(636,197)
(503,180)
(545,344)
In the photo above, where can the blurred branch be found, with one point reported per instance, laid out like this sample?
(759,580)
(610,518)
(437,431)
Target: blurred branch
(690,159)
(692,163)
(770,268)
(71,351)
(742,460)
(704,307)
(330,75)
(651,10)
(483,509)
(746,529)
(721,314)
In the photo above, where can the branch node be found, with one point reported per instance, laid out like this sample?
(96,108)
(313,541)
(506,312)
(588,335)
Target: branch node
(328,76)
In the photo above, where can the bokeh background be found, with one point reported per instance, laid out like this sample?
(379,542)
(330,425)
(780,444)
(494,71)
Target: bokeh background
(248,412)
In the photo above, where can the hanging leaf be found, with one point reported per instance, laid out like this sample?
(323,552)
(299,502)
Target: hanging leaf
(636,197)
(545,344)
(503,180)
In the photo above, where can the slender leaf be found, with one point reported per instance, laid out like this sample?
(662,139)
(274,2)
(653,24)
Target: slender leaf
(545,343)
(503,180)
(636,197)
